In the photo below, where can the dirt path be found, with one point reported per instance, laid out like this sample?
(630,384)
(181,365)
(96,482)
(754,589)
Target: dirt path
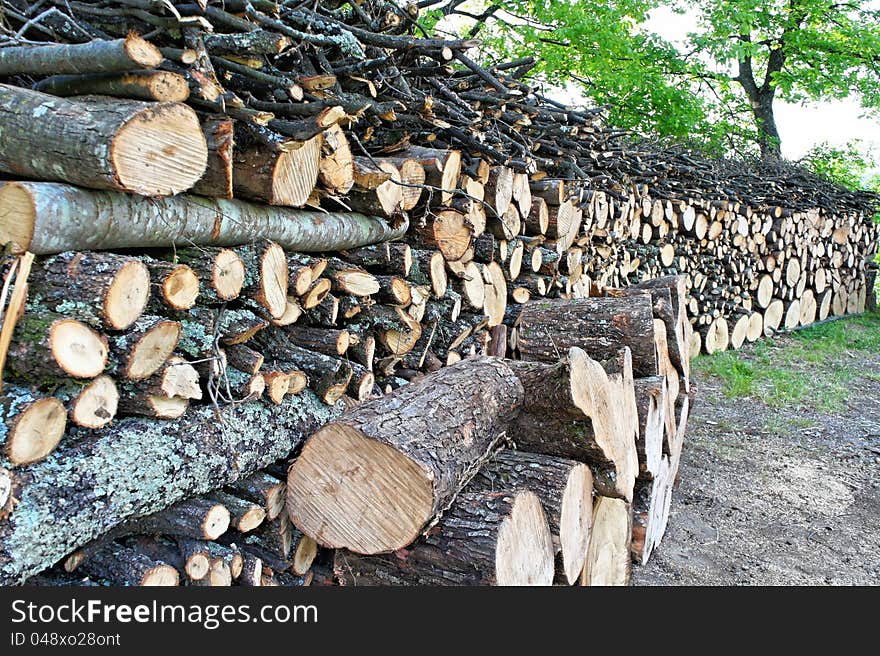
(774,496)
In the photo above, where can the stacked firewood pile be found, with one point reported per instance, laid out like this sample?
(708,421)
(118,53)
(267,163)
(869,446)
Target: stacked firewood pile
(256,216)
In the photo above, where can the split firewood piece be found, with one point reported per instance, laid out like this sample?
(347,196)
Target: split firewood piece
(165,394)
(152,149)
(44,218)
(125,566)
(217,182)
(442,169)
(317,294)
(143,349)
(651,504)
(265,278)
(47,347)
(99,56)
(412,178)
(385,199)
(245,515)
(668,295)
(32,425)
(427,452)
(277,382)
(277,177)
(252,571)
(513,546)
(220,271)
(160,86)
(239,326)
(716,336)
(394,290)
(196,557)
(348,278)
(174,286)
(103,289)
(600,326)
(652,407)
(495,293)
(244,358)
(336,167)
(198,518)
(570,412)
(390,258)
(549,189)
(537,217)
(329,341)
(262,489)
(429,268)
(231,558)
(565,489)
(93,405)
(608,558)
(396,330)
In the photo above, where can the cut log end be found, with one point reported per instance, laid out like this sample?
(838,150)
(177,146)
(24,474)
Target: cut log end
(160,151)
(342,473)
(79,351)
(152,350)
(127,295)
(524,551)
(96,405)
(180,288)
(216,522)
(36,431)
(576,521)
(227,275)
(161,575)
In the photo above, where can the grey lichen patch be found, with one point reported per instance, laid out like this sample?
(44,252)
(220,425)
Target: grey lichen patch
(95,482)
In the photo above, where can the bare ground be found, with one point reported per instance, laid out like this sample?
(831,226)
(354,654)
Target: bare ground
(771,496)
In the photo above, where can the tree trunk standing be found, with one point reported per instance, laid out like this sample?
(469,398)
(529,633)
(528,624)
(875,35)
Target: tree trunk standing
(768,134)
(372,480)
(172,460)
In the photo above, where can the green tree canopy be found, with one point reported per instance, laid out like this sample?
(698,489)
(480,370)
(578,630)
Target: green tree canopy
(718,88)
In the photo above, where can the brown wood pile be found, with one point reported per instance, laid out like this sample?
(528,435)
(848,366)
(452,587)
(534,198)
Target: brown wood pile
(268,233)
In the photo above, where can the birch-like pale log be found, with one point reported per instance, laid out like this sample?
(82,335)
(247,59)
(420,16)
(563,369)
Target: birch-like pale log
(44,218)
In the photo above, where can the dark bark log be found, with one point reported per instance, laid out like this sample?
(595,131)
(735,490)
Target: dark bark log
(498,538)
(433,455)
(600,326)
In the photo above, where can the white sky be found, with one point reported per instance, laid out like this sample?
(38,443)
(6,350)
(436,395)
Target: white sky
(800,126)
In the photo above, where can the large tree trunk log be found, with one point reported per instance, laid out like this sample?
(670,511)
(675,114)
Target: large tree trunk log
(46,218)
(173,460)
(153,149)
(600,326)
(565,489)
(372,480)
(570,411)
(97,56)
(486,538)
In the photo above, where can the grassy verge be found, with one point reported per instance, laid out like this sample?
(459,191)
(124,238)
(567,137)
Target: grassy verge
(812,368)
